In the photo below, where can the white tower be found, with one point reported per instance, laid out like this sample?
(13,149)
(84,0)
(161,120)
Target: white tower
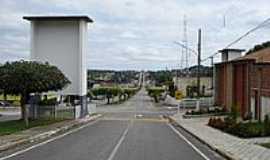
(62,41)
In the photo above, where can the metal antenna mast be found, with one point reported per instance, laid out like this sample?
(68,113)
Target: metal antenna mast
(185,43)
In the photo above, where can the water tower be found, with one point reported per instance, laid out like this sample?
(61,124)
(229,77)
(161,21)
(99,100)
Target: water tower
(62,41)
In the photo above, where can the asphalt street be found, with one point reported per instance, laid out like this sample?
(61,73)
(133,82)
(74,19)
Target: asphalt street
(7,115)
(134,130)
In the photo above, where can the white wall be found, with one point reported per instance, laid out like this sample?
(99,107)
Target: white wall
(265,104)
(230,55)
(62,43)
(183,82)
(252,107)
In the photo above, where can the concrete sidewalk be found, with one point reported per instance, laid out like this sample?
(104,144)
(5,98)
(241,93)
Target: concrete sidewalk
(230,146)
(39,133)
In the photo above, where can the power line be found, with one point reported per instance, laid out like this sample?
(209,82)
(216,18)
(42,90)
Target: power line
(262,24)
(248,32)
(182,45)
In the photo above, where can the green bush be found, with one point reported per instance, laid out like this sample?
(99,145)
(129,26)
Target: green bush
(216,111)
(266,125)
(155,92)
(217,123)
(111,92)
(130,91)
(245,130)
(48,102)
(235,113)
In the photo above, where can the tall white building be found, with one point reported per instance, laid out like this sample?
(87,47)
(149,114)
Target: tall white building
(62,41)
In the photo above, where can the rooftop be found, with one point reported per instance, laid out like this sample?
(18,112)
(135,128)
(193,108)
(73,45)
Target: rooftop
(260,56)
(58,18)
(231,49)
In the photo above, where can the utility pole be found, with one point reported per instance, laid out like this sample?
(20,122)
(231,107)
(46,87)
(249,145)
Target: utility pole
(185,43)
(212,79)
(199,63)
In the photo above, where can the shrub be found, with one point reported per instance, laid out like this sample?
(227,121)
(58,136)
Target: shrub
(266,125)
(246,130)
(210,122)
(48,102)
(266,119)
(215,111)
(235,112)
(111,92)
(155,92)
(217,123)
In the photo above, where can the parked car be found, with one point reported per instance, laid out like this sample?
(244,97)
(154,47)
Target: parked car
(4,104)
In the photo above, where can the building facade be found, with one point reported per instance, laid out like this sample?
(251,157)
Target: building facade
(244,83)
(183,82)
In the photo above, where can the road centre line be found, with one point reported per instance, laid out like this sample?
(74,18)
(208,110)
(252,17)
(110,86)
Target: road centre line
(120,141)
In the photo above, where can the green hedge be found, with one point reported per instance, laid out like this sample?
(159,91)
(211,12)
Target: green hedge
(111,92)
(48,102)
(155,92)
(245,130)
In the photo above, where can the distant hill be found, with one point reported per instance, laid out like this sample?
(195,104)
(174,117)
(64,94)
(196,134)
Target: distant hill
(111,75)
(162,76)
(205,71)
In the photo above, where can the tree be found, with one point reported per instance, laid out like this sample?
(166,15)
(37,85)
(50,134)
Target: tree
(259,47)
(155,92)
(26,77)
(171,88)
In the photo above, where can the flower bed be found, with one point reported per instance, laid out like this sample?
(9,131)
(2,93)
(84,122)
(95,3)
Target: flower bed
(214,111)
(241,129)
(266,145)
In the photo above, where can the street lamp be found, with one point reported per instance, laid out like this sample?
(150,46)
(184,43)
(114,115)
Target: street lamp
(186,47)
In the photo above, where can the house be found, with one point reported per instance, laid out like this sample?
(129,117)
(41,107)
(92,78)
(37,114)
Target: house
(182,83)
(244,82)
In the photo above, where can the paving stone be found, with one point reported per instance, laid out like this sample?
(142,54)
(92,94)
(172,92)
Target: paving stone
(245,149)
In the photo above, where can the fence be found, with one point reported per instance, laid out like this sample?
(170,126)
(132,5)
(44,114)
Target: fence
(63,112)
(191,103)
(59,111)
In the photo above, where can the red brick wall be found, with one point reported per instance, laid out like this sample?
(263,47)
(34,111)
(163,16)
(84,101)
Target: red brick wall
(240,87)
(265,79)
(220,84)
(246,77)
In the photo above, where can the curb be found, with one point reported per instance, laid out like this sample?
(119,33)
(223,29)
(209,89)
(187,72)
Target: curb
(47,134)
(218,150)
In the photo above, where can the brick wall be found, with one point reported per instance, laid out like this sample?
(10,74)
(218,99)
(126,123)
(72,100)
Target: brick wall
(240,87)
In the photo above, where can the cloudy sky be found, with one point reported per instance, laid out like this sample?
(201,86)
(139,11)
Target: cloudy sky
(139,34)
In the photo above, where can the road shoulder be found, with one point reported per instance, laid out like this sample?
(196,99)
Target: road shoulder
(227,145)
(35,134)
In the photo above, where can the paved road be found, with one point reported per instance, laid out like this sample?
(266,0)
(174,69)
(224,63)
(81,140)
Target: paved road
(131,131)
(7,114)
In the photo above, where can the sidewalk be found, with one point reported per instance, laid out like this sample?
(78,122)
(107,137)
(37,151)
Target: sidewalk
(39,133)
(170,101)
(230,146)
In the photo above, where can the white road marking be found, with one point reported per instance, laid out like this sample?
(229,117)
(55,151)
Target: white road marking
(138,115)
(115,149)
(188,142)
(48,141)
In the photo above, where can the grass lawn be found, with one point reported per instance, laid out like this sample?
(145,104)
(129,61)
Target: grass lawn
(9,127)
(10,97)
(267,145)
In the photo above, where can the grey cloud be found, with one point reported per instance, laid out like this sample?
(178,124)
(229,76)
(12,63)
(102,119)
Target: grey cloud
(138,34)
